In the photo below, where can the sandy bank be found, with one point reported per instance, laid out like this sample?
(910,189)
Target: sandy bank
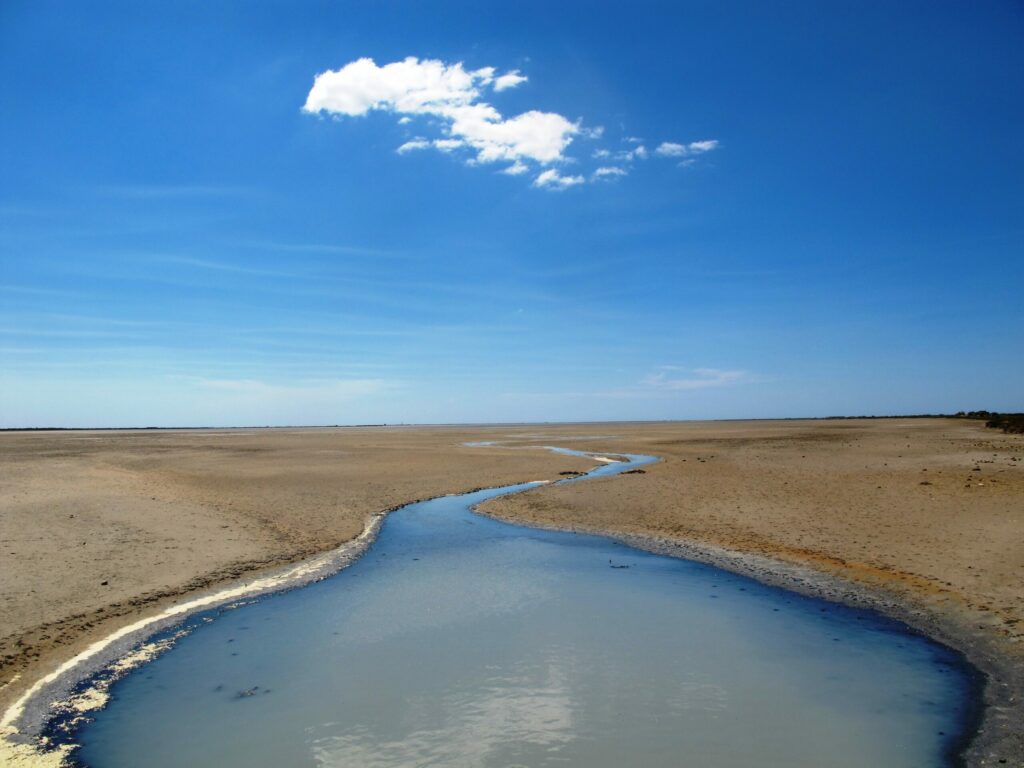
(922,518)
(99,529)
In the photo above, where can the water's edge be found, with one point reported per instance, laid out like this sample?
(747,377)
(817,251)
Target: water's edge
(66,692)
(982,736)
(79,685)
(995,733)
(990,735)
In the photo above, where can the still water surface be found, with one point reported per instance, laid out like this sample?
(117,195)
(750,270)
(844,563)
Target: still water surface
(458,640)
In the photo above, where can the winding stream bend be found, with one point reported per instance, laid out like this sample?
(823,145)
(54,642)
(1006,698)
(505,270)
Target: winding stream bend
(459,640)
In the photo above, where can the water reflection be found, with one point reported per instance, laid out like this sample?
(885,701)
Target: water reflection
(459,640)
(504,720)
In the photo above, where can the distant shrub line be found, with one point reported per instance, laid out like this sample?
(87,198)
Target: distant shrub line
(1008,422)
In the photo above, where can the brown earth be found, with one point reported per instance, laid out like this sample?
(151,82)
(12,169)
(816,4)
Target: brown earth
(98,528)
(921,518)
(932,507)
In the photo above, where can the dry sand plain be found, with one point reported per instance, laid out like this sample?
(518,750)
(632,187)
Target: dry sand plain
(98,528)
(930,507)
(922,518)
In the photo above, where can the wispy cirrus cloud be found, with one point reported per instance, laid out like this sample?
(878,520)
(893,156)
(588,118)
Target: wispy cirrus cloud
(326,389)
(510,80)
(554,180)
(171,191)
(609,172)
(672,378)
(292,400)
(320,248)
(662,383)
(438,95)
(687,153)
(413,145)
(225,266)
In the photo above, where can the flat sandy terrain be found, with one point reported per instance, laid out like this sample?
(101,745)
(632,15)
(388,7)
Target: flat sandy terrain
(931,508)
(97,528)
(925,517)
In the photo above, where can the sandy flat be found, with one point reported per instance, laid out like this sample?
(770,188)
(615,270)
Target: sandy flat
(924,517)
(98,528)
(929,506)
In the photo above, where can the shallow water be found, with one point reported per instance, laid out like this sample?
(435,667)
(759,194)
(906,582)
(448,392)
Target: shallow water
(461,640)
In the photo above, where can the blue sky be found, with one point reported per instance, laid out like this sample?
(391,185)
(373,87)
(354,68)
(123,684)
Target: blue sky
(834,223)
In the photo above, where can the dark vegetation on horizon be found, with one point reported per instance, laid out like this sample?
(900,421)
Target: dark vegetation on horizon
(1008,422)
(1012,423)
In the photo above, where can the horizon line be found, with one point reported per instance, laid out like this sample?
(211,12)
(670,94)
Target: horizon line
(958,415)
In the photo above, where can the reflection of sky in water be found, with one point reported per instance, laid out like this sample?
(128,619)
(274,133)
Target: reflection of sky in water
(438,597)
(459,640)
(488,722)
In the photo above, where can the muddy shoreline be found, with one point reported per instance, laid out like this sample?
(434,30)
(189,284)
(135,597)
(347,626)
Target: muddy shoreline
(716,481)
(988,740)
(80,684)
(993,737)
(98,530)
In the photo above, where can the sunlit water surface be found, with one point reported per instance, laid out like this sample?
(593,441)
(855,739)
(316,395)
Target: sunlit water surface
(458,640)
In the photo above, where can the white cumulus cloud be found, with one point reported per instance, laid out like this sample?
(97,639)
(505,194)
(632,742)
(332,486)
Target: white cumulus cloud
(672,149)
(703,146)
(447,145)
(413,145)
(552,179)
(451,93)
(609,171)
(516,169)
(638,152)
(409,86)
(457,119)
(509,80)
